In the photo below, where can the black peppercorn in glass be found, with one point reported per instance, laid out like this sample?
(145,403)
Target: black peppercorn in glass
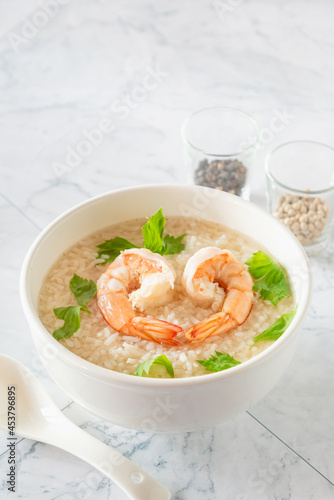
(220,146)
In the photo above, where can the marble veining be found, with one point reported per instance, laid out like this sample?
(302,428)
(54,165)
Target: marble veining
(86,65)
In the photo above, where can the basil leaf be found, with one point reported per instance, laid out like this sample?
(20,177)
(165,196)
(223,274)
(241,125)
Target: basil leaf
(83,290)
(269,278)
(152,232)
(112,248)
(71,317)
(278,328)
(147,369)
(173,245)
(219,363)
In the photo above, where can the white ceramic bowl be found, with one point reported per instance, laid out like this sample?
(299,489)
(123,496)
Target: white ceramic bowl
(164,405)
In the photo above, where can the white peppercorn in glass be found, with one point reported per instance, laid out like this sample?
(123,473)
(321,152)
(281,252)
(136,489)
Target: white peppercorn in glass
(300,190)
(220,145)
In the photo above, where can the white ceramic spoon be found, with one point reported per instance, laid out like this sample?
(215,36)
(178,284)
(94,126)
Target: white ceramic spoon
(38,418)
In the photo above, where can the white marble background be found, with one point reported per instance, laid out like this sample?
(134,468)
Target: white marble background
(61,79)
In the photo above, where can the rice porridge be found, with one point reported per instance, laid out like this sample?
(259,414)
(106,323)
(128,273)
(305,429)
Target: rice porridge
(97,342)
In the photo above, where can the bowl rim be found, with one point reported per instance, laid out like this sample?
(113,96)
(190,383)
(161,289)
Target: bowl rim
(107,375)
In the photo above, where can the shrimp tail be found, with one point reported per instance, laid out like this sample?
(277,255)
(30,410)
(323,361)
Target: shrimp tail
(213,325)
(152,329)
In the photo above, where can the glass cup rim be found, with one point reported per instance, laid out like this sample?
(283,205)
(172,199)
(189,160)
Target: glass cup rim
(225,108)
(284,186)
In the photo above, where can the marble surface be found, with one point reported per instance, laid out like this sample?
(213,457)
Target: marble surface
(135,70)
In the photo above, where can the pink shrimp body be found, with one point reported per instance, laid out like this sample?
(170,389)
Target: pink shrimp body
(206,271)
(137,278)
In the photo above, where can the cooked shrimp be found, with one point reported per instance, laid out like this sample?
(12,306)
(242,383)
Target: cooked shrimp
(137,278)
(206,271)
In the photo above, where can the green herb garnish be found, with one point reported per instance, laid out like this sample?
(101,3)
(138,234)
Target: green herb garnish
(153,240)
(112,248)
(219,363)
(278,328)
(71,317)
(269,278)
(173,245)
(152,368)
(153,231)
(83,290)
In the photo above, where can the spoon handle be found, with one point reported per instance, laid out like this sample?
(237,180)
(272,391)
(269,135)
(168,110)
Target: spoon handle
(136,483)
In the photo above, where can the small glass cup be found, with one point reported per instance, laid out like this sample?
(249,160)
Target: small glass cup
(220,145)
(300,190)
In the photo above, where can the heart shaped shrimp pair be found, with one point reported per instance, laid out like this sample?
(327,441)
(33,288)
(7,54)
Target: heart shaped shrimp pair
(139,276)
